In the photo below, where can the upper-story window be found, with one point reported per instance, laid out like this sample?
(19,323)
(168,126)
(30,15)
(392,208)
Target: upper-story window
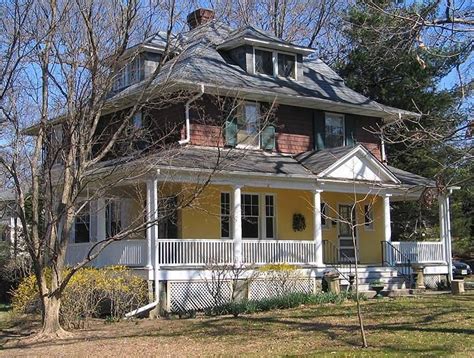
(248,124)
(273,63)
(334,130)
(130,74)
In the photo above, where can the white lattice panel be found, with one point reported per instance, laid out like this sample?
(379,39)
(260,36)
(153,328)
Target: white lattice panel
(431,281)
(197,295)
(261,289)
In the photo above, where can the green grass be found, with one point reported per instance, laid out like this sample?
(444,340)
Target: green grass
(431,325)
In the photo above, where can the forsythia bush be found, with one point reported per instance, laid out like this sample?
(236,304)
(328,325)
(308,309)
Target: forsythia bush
(92,292)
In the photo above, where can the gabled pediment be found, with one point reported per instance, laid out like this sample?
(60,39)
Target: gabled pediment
(359,164)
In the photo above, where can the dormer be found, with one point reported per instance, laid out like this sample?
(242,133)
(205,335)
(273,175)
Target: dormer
(140,61)
(262,54)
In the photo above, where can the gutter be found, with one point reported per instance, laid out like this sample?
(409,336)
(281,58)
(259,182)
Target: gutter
(188,122)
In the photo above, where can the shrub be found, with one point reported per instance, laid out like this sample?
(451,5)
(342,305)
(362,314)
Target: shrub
(92,292)
(290,300)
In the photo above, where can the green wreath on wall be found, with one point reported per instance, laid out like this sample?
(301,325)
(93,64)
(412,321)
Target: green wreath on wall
(299,222)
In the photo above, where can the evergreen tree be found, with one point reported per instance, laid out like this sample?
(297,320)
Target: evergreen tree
(387,65)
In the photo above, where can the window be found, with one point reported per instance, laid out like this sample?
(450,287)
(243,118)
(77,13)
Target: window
(286,65)
(368,217)
(264,62)
(269,217)
(323,214)
(334,130)
(130,74)
(248,125)
(82,225)
(250,216)
(168,217)
(113,223)
(225,215)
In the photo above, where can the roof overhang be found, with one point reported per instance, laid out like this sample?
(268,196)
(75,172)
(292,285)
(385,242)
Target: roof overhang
(228,45)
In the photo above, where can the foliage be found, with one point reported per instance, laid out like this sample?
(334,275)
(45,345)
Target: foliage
(289,300)
(385,64)
(92,292)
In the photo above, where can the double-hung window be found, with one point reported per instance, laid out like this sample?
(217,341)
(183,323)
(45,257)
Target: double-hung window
(248,125)
(225,215)
(273,63)
(323,215)
(82,225)
(258,216)
(334,130)
(113,218)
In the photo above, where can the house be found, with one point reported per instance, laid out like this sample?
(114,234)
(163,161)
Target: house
(9,223)
(291,187)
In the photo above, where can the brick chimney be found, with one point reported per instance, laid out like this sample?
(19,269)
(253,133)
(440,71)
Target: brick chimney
(199,17)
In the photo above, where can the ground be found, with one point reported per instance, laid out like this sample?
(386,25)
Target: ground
(431,325)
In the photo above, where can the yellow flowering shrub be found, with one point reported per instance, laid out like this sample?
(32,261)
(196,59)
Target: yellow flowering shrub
(91,292)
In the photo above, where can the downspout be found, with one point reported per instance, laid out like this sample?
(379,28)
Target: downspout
(187,139)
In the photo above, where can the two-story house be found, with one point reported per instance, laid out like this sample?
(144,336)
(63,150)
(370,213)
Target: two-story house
(293,168)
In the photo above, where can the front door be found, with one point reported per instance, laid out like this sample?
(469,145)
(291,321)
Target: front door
(346,224)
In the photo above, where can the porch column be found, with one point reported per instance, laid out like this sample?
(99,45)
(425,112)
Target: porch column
(237,221)
(447,236)
(151,216)
(317,228)
(386,218)
(442,224)
(101,223)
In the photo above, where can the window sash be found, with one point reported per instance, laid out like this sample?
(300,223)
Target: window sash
(248,125)
(334,130)
(269,216)
(82,225)
(225,215)
(263,62)
(286,65)
(113,218)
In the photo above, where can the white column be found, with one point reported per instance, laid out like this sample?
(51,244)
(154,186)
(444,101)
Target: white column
(447,233)
(317,228)
(151,212)
(101,224)
(155,236)
(386,218)
(442,227)
(237,221)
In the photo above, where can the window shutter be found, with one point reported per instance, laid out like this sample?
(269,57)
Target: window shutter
(349,134)
(319,127)
(268,138)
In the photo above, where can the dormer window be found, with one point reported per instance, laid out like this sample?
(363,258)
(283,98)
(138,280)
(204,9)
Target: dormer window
(271,63)
(264,62)
(132,73)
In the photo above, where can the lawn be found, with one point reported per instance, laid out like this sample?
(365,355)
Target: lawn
(431,325)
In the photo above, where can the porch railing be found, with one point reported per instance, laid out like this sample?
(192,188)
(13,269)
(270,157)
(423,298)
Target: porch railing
(179,252)
(393,257)
(421,252)
(288,251)
(125,252)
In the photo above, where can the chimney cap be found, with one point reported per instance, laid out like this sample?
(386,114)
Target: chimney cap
(200,17)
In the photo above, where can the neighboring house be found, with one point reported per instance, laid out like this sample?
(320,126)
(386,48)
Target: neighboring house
(284,187)
(9,224)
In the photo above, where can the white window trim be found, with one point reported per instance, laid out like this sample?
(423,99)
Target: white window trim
(250,146)
(343,117)
(275,63)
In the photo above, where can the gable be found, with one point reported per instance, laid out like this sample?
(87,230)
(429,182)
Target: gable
(359,164)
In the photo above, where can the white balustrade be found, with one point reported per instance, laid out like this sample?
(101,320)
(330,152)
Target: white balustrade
(420,252)
(288,251)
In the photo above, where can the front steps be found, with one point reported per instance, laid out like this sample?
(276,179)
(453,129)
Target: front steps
(390,277)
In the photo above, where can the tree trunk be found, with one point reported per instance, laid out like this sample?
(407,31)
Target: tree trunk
(51,324)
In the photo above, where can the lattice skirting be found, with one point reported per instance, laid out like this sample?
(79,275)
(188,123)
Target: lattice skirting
(186,296)
(197,295)
(261,289)
(431,281)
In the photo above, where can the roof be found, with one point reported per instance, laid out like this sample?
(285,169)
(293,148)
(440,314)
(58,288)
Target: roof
(411,179)
(318,161)
(200,62)
(230,160)
(7,195)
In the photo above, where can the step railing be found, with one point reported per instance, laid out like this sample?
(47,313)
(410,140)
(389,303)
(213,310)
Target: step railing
(393,257)
(337,260)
